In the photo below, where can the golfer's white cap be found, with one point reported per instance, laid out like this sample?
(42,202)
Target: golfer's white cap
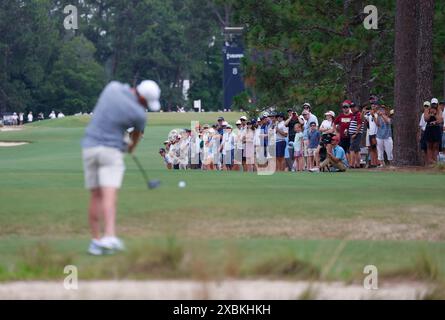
(151,92)
(434,101)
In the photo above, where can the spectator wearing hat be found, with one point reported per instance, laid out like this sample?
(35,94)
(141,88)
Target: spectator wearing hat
(327,131)
(336,157)
(433,132)
(250,145)
(342,123)
(281,132)
(384,136)
(355,132)
(312,117)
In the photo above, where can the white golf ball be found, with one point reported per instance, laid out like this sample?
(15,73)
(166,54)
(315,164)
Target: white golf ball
(182,184)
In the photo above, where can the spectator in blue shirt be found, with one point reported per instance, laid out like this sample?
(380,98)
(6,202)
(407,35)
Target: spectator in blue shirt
(336,157)
(313,136)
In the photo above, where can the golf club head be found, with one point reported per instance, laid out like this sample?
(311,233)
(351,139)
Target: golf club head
(153,184)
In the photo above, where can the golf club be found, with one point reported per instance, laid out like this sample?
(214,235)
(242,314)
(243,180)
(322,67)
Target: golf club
(151,184)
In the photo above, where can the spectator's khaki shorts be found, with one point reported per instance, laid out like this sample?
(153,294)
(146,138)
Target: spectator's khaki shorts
(103,167)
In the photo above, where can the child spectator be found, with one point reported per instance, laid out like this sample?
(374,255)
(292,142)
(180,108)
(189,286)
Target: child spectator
(299,147)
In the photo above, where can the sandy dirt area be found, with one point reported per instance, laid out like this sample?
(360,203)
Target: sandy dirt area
(9,129)
(11,144)
(225,290)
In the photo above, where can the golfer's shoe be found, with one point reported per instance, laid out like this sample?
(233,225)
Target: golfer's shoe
(112,244)
(95,248)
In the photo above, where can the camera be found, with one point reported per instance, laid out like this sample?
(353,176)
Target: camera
(326,139)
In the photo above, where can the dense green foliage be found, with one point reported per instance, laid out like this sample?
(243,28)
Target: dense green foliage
(45,67)
(319,51)
(297,50)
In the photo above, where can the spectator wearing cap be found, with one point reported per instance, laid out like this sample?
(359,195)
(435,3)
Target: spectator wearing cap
(314,141)
(384,136)
(281,132)
(292,119)
(433,131)
(220,127)
(336,157)
(342,123)
(355,132)
(370,118)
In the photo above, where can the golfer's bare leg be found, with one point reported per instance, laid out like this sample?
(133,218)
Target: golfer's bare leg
(109,197)
(95,212)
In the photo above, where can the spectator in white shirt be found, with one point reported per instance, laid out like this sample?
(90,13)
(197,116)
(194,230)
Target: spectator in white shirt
(370,116)
(280,142)
(422,126)
(30,117)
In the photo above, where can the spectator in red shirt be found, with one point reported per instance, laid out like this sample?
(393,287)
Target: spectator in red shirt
(342,124)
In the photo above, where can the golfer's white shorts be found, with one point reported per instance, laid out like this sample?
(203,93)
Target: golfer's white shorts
(103,167)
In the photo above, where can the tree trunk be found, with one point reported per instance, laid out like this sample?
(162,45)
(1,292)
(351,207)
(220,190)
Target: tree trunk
(443,76)
(406,115)
(425,15)
(424,91)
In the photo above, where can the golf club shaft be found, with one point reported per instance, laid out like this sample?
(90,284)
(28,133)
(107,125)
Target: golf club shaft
(138,164)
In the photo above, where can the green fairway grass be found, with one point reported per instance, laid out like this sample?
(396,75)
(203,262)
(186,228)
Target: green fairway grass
(223,224)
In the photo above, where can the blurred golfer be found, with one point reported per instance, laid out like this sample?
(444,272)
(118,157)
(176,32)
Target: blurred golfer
(119,107)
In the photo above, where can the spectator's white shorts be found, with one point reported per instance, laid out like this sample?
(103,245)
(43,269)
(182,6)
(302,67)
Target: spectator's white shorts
(103,167)
(385,146)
